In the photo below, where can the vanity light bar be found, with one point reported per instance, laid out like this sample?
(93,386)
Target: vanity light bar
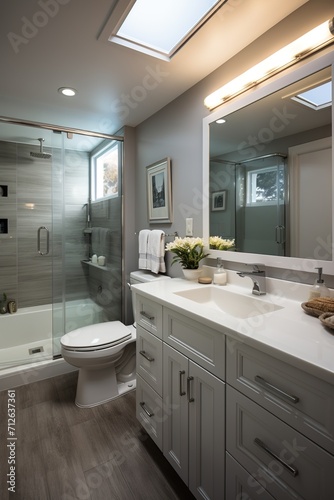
(312,41)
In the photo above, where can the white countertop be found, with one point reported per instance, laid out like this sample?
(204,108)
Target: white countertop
(288,334)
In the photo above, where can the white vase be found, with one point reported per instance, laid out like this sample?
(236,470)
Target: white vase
(192,274)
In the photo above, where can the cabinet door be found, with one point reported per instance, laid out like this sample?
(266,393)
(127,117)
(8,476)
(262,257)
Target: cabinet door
(175,425)
(149,410)
(206,397)
(149,358)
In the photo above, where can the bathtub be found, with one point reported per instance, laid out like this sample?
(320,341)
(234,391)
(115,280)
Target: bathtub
(27,345)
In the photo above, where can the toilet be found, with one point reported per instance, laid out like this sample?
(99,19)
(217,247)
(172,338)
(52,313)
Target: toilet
(105,354)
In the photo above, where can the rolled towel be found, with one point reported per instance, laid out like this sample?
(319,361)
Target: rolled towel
(143,244)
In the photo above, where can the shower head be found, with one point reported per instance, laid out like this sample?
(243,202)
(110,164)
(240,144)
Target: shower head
(40,153)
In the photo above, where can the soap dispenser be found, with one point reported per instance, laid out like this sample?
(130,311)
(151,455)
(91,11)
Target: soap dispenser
(319,289)
(219,277)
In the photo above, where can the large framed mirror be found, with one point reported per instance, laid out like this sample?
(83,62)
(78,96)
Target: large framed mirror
(268,171)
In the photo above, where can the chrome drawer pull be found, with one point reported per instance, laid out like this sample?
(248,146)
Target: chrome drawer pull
(147,316)
(148,412)
(143,353)
(190,399)
(181,372)
(275,390)
(288,467)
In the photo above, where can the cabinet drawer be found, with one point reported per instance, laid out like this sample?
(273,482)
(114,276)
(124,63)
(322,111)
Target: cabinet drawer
(242,486)
(149,410)
(149,359)
(198,342)
(285,462)
(300,399)
(149,315)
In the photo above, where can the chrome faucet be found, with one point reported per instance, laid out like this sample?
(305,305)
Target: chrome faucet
(258,276)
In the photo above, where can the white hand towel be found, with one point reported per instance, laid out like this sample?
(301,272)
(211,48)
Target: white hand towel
(143,244)
(156,251)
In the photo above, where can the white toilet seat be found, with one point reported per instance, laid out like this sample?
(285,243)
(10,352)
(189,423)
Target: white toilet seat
(96,337)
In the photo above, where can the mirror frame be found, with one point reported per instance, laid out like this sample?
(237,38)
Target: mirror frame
(285,78)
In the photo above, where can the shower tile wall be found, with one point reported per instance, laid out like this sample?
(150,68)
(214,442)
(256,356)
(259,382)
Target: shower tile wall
(25,275)
(105,284)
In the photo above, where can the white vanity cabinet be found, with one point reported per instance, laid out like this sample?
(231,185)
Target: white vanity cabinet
(280,425)
(193,429)
(149,407)
(181,394)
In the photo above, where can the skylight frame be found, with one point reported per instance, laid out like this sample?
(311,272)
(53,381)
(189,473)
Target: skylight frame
(302,99)
(121,11)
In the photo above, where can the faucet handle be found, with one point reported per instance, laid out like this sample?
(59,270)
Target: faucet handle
(258,268)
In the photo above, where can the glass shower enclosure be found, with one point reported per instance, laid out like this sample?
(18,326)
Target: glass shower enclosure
(50,228)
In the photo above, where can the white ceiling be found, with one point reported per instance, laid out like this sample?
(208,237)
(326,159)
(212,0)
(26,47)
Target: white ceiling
(66,51)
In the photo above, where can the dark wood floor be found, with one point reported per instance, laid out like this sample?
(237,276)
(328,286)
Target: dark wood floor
(63,452)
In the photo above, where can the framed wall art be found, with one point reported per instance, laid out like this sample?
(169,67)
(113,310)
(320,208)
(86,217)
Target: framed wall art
(159,191)
(218,201)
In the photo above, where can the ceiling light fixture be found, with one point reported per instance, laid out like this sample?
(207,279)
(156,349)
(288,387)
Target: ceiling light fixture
(312,41)
(67,91)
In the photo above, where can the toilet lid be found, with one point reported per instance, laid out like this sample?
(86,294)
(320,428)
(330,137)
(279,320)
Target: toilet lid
(94,337)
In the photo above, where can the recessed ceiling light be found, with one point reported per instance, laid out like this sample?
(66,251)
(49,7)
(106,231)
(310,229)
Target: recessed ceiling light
(221,120)
(67,91)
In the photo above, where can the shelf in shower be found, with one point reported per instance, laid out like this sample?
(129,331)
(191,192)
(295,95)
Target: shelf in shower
(89,263)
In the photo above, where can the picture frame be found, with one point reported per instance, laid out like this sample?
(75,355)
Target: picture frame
(218,201)
(159,191)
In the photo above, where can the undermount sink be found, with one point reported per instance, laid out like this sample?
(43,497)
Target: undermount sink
(234,304)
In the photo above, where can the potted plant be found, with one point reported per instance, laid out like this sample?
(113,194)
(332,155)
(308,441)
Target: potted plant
(3,304)
(188,252)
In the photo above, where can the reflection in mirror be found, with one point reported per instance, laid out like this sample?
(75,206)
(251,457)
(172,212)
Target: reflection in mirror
(272,163)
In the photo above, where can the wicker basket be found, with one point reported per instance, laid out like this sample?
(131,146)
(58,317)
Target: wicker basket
(324,318)
(312,311)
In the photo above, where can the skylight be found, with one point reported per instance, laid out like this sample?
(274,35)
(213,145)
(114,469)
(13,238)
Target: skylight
(317,98)
(161,27)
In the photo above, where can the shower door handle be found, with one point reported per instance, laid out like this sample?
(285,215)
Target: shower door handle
(39,240)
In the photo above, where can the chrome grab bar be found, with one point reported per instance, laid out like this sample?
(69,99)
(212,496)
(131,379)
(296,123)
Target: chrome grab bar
(39,240)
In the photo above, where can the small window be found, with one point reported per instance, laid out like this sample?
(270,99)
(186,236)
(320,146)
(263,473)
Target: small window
(105,172)
(265,186)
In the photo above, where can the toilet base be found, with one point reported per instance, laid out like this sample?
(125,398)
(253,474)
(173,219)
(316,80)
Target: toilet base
(100,386)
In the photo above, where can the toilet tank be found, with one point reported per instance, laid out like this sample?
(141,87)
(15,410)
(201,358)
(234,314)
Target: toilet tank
(143,276)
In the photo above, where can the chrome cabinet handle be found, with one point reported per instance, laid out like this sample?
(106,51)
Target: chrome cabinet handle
(148,412)
(181,372)
(275,390)
(39,240)
(264,447)
(143,353)
(146,315)
(190,399)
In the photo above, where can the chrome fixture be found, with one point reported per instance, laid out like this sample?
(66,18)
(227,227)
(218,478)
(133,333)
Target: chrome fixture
(258,276)
(40,153)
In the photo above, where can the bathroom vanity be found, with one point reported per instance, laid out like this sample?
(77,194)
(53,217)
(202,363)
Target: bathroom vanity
(237,391)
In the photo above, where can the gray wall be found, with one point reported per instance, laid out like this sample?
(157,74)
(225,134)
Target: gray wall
(176,131)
